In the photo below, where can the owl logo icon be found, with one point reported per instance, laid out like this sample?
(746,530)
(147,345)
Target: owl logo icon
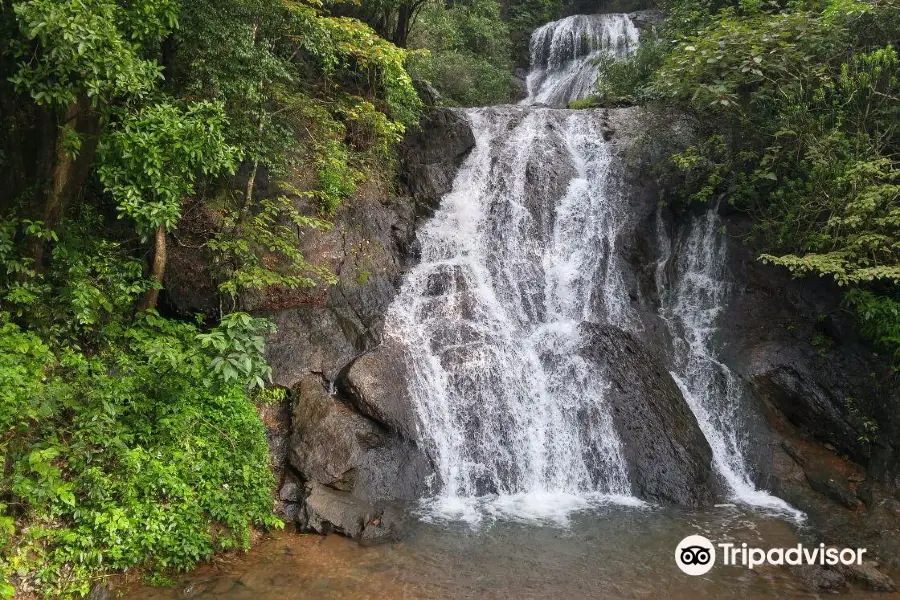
(695,555)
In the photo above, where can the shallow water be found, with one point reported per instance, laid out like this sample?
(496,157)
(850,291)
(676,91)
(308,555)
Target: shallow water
(611,552)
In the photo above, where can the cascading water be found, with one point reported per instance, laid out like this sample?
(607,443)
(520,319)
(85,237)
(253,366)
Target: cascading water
(508,271)
(692,306)
(520,253)
(515,259)
(564,54)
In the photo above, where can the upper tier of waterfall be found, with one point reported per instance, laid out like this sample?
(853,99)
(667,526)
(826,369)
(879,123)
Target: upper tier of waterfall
(564,55)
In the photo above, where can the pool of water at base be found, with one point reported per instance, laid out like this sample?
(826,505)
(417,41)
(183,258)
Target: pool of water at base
(608,552)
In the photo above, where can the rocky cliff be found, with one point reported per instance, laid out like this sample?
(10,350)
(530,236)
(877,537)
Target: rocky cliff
(342,444)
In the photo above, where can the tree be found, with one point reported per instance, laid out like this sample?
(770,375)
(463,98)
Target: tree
(467,51)
(76,57)
(150,162)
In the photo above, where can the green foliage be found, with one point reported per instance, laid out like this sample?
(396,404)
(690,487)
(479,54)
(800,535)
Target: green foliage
(581,103)
(149,163)
(261,250)
(143,455)
(238,344)
(351,42)
(464,51)
(89,286)
(879,317)
(627,81)
(130,440)
(88,47)
(305,94)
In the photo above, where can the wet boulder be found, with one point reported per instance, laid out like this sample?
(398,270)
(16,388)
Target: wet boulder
(335,445)
(376,384)
(669,460)
(326,510)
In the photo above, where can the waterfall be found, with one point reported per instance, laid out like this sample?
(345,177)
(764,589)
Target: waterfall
(564,54)
(520,253)
(513,261)
(692,306)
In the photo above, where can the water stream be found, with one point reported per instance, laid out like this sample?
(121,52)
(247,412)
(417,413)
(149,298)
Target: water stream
(692,305)
(511,264)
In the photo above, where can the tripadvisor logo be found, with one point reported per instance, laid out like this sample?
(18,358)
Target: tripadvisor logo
(696,555)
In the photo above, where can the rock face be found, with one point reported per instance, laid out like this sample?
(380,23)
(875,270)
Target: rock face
(431,155)
(669,460)
(519,84)
(349,452)
(825,436)
(798,349)
(366,249)
(334,445)
(647,19)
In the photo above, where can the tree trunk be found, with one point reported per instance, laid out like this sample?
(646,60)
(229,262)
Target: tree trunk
(69,172)
(150,297)
(401,33)
(248,196)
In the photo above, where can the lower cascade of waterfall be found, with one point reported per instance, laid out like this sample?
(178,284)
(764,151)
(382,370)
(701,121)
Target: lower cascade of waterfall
(508,272)
(520,253)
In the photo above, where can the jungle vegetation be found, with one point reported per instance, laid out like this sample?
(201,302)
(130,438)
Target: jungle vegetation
(129,434)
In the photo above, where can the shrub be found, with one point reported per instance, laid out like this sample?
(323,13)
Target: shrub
(129,440)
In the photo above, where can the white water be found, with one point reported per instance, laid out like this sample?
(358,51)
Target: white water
(491,315)
(692,306)
(564,55)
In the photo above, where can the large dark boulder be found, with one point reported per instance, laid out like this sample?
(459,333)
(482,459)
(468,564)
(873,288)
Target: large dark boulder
(431,154)
(376,384)
(336,446)
(669,459)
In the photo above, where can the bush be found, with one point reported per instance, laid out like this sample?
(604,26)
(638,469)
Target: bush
(627,81)
(128,440)
(879,317)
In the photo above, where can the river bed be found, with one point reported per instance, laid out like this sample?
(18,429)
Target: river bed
(607,552)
